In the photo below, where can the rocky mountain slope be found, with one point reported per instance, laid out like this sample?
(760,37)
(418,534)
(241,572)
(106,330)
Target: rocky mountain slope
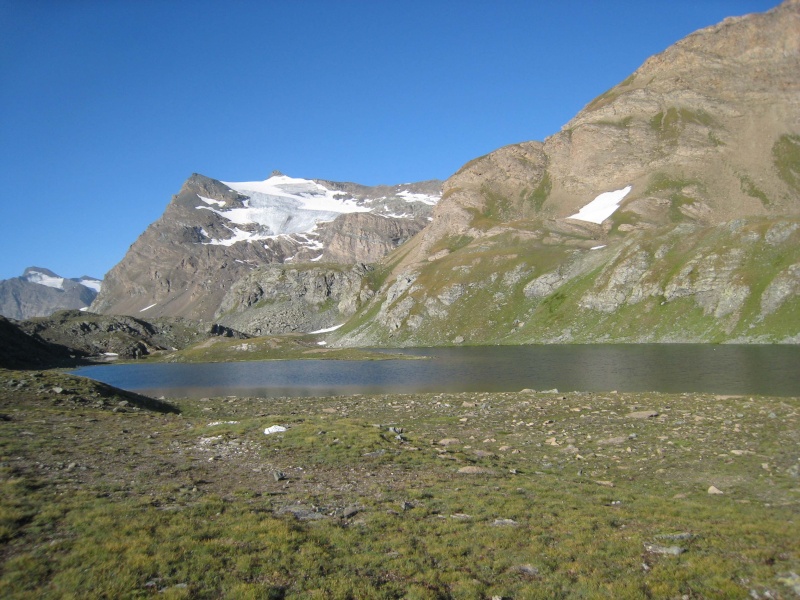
(667,210)
(40,292)
(213,233)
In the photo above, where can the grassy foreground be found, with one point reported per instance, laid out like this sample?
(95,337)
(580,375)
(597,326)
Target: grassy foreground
(510,495)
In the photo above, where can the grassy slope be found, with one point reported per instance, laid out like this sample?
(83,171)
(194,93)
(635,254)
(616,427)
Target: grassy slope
(494,309)
(578,499)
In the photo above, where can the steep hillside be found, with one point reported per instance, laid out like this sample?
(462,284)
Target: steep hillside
(666,210)
(214,233)
(19,350)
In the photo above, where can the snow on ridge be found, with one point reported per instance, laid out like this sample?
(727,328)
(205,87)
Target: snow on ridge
(44,279)
(429,199)
(309,194)
(602,207)
(211,200)
(283,205)
(92,284)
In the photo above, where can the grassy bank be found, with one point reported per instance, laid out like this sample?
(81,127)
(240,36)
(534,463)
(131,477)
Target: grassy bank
(279,347)
(517,495)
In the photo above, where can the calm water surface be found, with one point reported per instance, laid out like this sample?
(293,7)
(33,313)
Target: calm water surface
(726,369)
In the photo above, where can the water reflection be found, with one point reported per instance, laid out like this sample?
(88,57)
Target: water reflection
(772,370)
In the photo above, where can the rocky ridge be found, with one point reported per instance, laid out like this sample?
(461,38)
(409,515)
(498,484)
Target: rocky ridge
(87,335)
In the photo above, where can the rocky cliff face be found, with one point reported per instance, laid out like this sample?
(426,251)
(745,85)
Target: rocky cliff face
(282,299)
(40,292)
(212,234)
(673,196)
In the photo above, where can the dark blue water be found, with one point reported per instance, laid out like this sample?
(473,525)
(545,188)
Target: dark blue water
(725,369)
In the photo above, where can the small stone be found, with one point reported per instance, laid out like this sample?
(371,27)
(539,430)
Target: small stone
(642,414)
(529,570)
(612,441)
(505,523)
(449,441)
(713,490)
(278,475)
(274,429)
(475,470)
(665,550)
(57,390)
(350,512)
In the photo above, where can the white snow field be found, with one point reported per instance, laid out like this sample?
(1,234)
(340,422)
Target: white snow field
(283,205)
(602,207)
(44,279)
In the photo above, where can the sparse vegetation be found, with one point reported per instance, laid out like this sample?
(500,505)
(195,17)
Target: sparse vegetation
(786,153)
(539,196)
(518,495)
(670,124)
(749,188)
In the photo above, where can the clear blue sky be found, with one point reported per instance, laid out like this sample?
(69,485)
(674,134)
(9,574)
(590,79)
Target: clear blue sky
(107,106)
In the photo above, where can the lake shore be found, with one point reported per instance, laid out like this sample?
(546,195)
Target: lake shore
(466,495)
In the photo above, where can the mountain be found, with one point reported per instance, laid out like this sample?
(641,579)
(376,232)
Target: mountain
(40,292)
(214,233)
(668,209)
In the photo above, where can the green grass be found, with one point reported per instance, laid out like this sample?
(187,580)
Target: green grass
(574,494)
(669,125)
(278,347)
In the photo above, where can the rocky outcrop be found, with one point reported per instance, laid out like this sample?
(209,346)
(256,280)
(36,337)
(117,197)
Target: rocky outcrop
(283,299)
(91,335)
(366,237)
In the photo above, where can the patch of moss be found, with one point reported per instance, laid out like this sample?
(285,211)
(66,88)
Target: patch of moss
(670,124)
(786,155)
(539,196)
(749,188)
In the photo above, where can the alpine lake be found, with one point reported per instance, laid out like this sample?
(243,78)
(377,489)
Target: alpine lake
(772,370)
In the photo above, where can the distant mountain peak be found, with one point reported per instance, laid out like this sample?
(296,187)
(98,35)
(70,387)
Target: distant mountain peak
(39,292)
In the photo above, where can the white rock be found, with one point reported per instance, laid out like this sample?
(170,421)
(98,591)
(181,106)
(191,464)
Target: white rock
(274,429)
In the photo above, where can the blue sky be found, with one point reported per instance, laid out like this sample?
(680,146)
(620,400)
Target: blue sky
(106,107)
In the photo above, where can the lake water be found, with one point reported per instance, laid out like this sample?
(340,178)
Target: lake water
(719,369)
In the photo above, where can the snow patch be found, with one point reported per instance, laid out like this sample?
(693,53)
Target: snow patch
(328,330)
(597,247)
(92,284)
(211,200)
(602,207)
(43,279)
(148,307)
(428,199)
